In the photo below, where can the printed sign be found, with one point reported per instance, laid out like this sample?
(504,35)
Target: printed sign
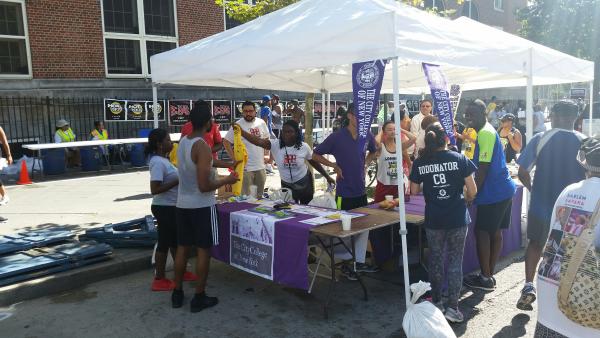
(455,93)
(367,78)
(221,111)
(161,110)
(252,242)
(136,110)
(442,107)
(114,110)
(179,112)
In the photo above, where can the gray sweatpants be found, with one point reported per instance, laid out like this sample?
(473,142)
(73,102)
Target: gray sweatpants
(453,240)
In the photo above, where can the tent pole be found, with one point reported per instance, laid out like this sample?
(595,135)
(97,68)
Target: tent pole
(591,131)
(529,97)
(323,101)
(328,119)
(155,104)
(400,176)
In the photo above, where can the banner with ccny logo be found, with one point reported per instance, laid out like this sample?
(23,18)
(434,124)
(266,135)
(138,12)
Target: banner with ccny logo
(442,107)
(367,78)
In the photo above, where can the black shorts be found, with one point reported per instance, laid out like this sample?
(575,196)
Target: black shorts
(167,226)
(348,203)
(537,229)
(493,217)
(198,227)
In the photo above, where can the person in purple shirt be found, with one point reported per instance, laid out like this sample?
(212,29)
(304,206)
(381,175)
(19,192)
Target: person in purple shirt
(349,165)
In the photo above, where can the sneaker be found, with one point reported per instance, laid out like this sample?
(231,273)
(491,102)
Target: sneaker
(362,267)
(201,302)
(528,296)
(3,219)
(348,273)
(177,298)
(454,315)
(479,282)
(190,276)
(162,284)
(4,200)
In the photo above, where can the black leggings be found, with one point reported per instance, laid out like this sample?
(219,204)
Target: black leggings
(167,227)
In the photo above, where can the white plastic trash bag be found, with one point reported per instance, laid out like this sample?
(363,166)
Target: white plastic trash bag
(424,320)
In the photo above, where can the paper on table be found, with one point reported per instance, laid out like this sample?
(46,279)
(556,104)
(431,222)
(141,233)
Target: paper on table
(329,219)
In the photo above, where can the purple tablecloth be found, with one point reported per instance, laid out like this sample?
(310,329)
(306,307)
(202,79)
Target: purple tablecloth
(511,236)
(290,265)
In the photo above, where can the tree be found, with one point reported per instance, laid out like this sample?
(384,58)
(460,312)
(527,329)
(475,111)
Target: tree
(242,11)
(571,26)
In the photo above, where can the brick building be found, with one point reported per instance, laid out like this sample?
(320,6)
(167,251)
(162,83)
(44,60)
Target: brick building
(83,47)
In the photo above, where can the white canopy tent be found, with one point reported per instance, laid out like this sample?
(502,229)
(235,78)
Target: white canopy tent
(310,47)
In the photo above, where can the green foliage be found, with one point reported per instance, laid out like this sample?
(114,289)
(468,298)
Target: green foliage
(571,26)
(241,11)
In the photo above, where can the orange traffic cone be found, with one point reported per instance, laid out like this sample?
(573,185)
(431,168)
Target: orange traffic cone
(24,176)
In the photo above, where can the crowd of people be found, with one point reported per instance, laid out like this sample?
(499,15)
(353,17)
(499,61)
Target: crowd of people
(451,178)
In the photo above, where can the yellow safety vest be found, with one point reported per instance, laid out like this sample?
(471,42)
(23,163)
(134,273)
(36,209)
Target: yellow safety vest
(66,136)
(101,136)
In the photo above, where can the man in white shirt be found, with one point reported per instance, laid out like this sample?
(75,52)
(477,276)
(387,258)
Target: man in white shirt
(415,127)
(539,119)
(254,172)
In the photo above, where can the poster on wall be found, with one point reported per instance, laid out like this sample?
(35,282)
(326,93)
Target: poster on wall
(179,112)
(136,110)
(114,110)
(150,112)
(221,111)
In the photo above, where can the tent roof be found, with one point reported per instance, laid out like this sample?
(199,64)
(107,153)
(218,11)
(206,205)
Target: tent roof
(291,48)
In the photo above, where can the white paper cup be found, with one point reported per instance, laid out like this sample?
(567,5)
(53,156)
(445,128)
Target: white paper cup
(389,198)
(346,222)
(253,191)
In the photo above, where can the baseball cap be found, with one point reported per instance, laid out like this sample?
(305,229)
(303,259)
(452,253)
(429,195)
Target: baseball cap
(266,98)
(61,123)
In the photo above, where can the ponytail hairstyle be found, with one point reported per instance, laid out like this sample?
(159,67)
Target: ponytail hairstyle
(156,137)
(435,138)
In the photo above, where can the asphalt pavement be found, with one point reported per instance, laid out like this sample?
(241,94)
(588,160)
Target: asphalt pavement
(124,306)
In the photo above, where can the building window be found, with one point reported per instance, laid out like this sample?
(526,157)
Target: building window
(229,21)
(14,40)
(470,10)
(437,4)
(498,5)
(134,30)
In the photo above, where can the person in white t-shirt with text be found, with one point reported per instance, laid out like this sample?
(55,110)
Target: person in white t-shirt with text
(254,172)
(290,155)
(569,305)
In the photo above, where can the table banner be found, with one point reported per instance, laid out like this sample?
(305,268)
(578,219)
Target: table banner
(442,106)
(252,242)
(367,78)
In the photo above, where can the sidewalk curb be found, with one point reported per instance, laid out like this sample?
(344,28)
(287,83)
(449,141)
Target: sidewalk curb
(122,262)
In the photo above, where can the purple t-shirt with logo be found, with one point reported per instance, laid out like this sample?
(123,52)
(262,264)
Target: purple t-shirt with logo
(344,148)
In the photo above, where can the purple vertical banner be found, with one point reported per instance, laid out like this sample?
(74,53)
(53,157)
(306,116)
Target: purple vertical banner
(442,107)
(367,78)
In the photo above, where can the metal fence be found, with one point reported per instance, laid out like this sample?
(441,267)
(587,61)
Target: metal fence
(29,120)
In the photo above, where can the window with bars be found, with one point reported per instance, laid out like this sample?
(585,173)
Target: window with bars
(134,30)
(14,44)
(499,5)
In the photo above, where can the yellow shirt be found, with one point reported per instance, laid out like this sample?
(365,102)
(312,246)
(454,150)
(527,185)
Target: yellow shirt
(470,146)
